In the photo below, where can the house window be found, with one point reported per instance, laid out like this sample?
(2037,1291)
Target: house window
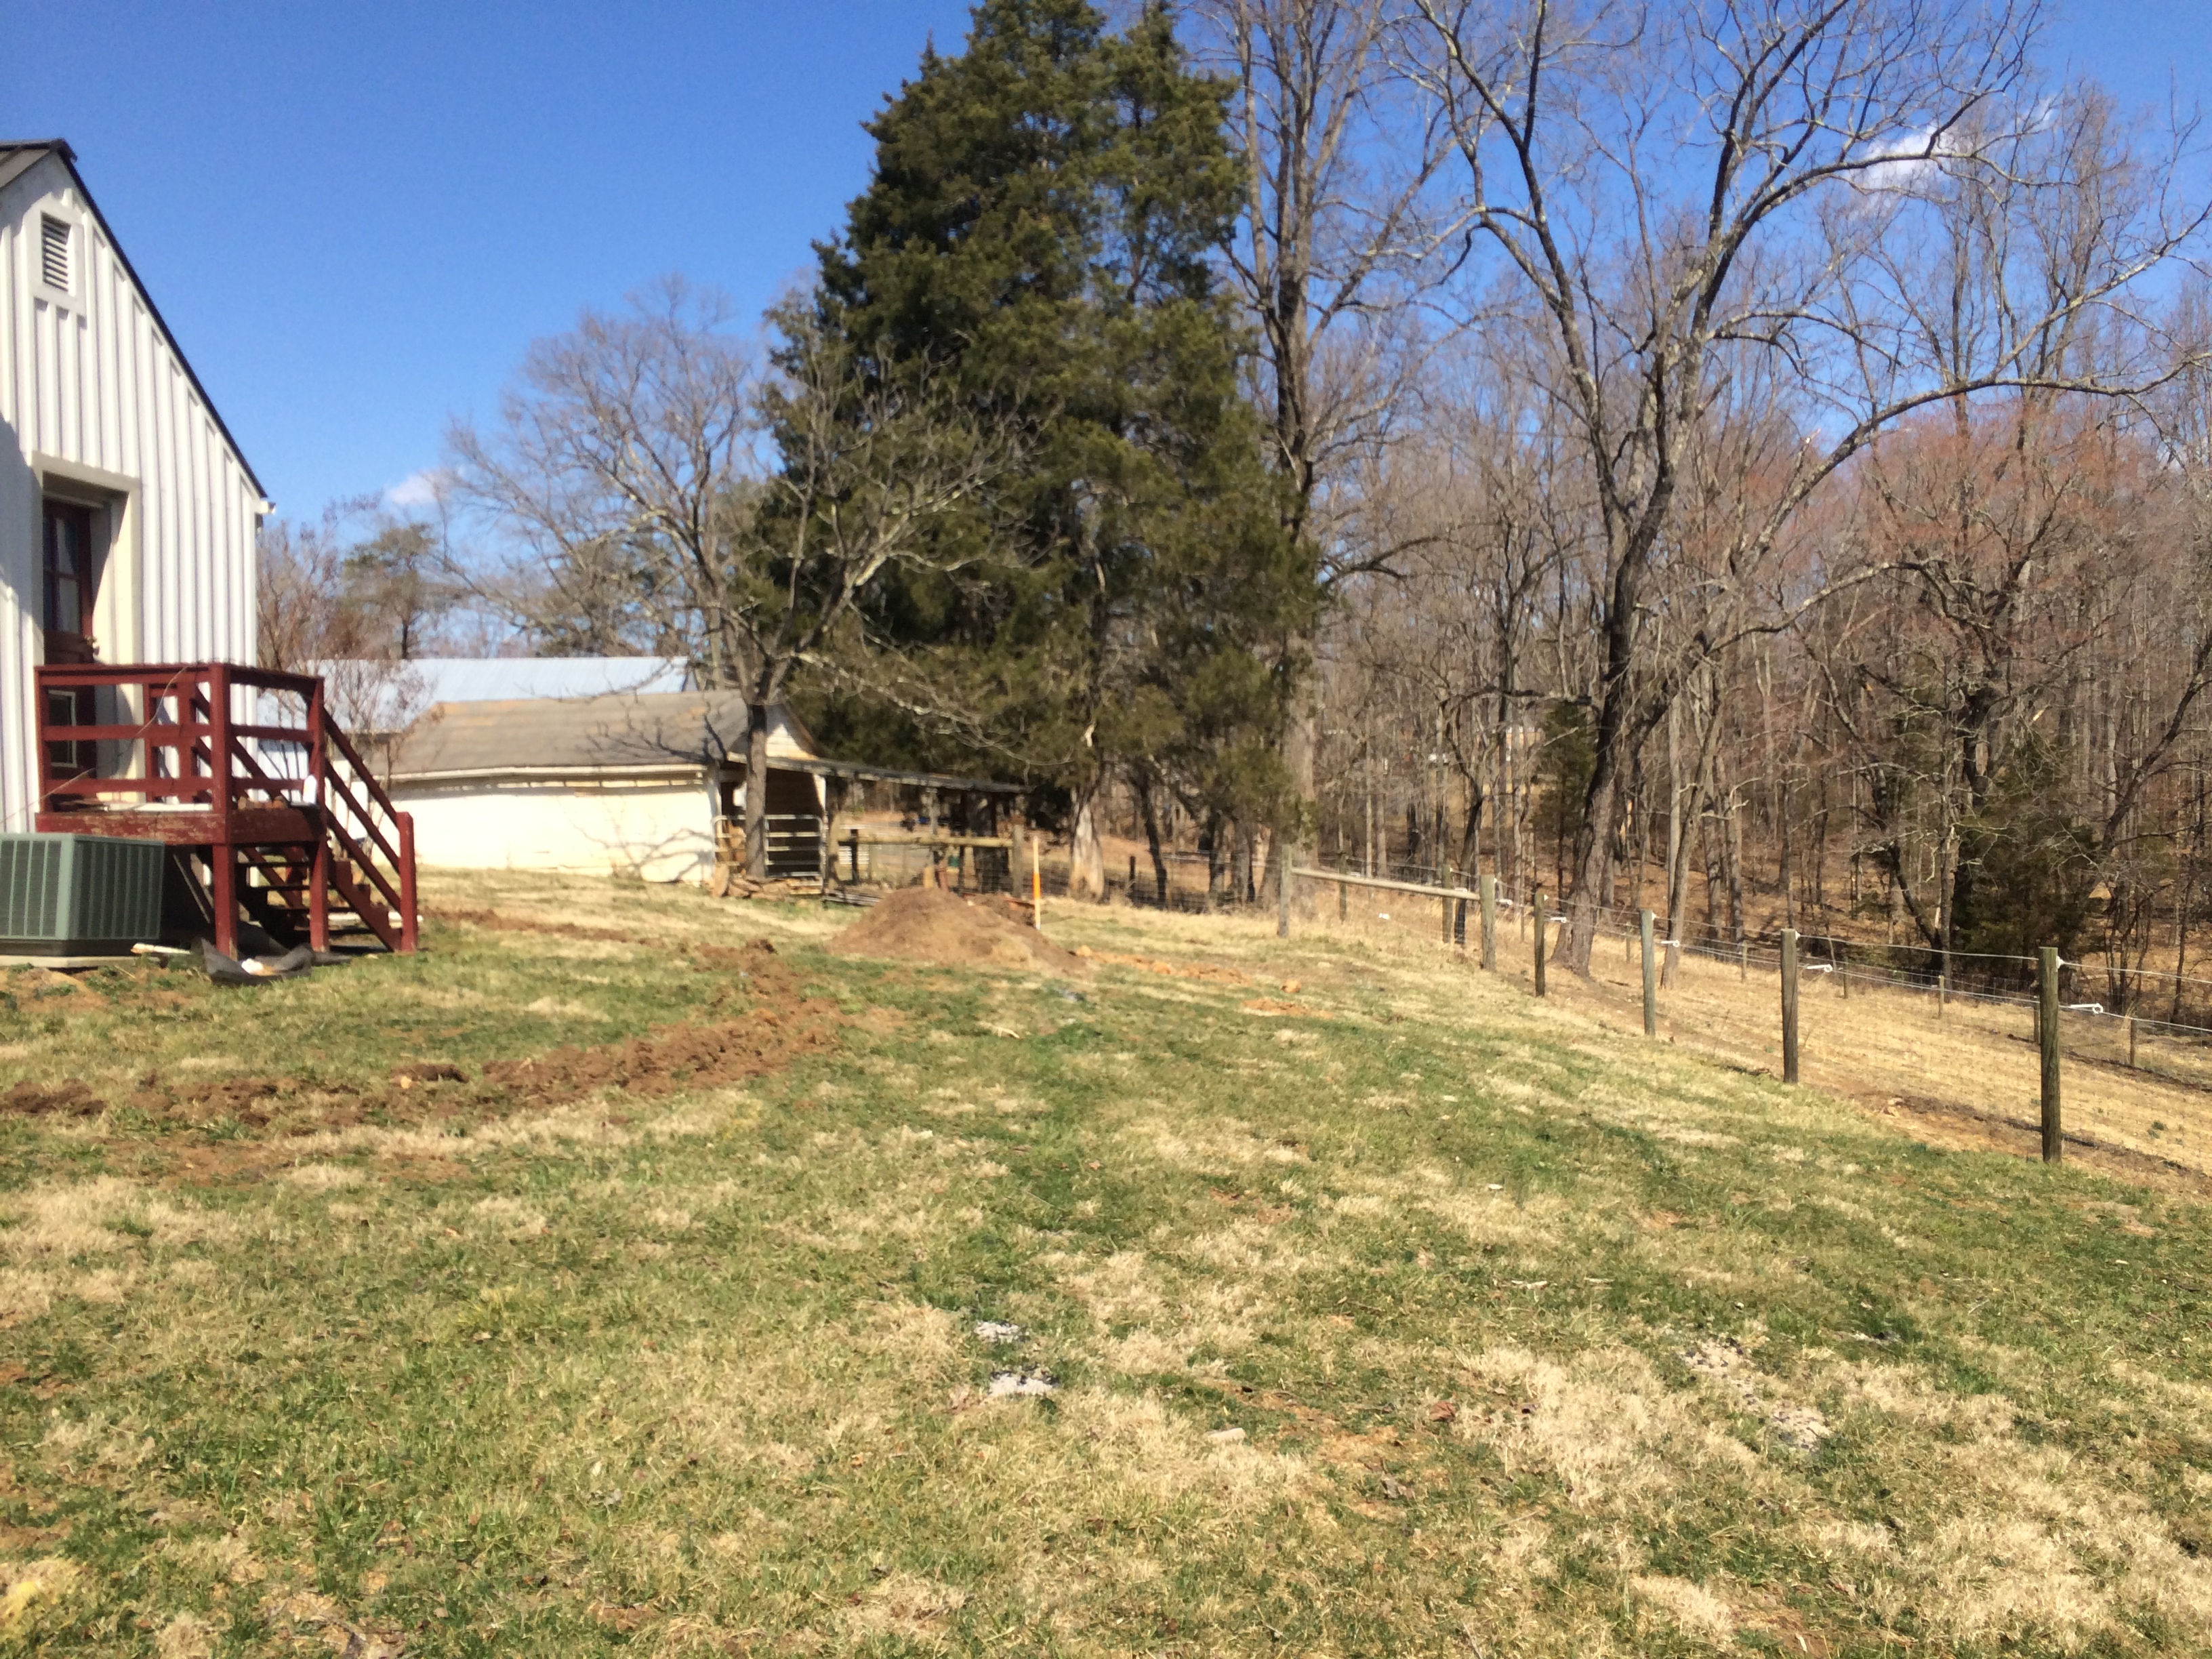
(54,251)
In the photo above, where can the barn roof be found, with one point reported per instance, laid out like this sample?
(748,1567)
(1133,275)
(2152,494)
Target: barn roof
(18,157)
(394,694)
(620,733)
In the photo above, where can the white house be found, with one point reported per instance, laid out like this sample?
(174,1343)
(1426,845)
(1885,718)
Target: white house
(127,512)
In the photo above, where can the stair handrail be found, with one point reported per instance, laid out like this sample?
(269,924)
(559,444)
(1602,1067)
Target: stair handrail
(400,892)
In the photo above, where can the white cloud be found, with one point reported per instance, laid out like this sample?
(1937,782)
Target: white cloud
(420,489)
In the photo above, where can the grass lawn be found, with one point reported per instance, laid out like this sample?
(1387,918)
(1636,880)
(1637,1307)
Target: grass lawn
(1398,1314)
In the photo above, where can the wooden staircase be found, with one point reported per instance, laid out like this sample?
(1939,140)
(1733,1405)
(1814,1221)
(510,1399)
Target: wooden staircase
(243,771)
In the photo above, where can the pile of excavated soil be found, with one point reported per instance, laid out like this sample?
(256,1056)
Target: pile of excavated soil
(925,924)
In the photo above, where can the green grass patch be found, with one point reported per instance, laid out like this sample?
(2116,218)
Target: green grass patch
(1443,1324)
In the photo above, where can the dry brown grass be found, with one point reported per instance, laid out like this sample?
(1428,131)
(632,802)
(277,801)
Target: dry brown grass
(1965,1075)
(1452,1322)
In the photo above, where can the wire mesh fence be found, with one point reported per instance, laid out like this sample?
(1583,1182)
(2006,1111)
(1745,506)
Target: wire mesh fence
(2137,1035)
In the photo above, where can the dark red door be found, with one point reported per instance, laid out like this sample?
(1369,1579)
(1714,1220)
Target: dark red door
(68,573)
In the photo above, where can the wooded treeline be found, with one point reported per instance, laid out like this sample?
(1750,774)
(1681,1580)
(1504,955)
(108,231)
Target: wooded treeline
(1746,456)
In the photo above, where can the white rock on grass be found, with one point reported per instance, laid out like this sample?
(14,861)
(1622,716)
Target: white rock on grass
(1013,1385)
(998,1331)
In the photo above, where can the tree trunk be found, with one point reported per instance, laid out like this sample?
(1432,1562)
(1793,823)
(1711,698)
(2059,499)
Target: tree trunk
(1470,840)
(1674,833)
(1301,739)
(1678,884)
(1152,840)
(1734,849)
(1369,770)
(1086,854)
(1593,851)
(756,790)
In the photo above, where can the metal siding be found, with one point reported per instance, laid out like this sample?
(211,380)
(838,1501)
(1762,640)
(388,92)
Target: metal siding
(97,383)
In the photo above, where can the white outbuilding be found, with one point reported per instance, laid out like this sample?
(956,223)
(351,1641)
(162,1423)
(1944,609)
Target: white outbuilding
(633,783)
(127,512)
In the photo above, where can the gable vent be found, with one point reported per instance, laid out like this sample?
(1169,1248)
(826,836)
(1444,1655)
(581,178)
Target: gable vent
(54,251)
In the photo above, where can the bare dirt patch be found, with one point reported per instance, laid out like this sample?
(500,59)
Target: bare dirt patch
(69,1099)
(492,921)
(1211,973)
(1276,1006)
(1950,1123)
(674,1058)
(924,924)
(766,1023)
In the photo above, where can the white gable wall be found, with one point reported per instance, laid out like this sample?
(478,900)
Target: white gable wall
(96,404)
(659,829)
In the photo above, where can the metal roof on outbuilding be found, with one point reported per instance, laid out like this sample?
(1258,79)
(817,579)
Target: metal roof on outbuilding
(619,733)
(422,682)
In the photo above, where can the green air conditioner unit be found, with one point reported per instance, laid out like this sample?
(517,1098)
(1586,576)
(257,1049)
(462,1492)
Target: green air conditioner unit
(78,896)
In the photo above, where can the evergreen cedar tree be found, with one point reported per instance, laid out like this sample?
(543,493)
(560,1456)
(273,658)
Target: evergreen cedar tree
(1038,243)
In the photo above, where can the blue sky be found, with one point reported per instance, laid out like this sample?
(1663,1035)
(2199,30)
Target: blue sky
(356,216)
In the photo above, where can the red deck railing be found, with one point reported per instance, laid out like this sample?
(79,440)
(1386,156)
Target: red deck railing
(209,756)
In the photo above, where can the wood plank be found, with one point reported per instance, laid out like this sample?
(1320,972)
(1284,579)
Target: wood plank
(1386,886)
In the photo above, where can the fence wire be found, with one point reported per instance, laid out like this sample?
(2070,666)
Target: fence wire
(2091,1031)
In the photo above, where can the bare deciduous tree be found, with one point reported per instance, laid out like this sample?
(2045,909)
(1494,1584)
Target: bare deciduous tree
(664,489)
(1335,245)
(1687,190)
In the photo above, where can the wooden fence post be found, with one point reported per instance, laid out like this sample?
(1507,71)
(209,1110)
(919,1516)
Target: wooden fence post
(1282,893)
(1836,955)
(1489,885)
(1743,958)
(1790,1005)
(1651,976)
(1445,903)
(2131,1043)
(1343,891)
(1537,913)
(1037,888)
(2054,1137)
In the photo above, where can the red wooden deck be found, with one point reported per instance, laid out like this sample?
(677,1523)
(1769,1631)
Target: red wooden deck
(290,822)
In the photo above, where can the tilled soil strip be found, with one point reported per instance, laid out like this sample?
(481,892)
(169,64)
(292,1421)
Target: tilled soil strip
(777,1024)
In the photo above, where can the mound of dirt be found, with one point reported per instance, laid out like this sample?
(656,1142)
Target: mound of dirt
(925,924)
(69,1099)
